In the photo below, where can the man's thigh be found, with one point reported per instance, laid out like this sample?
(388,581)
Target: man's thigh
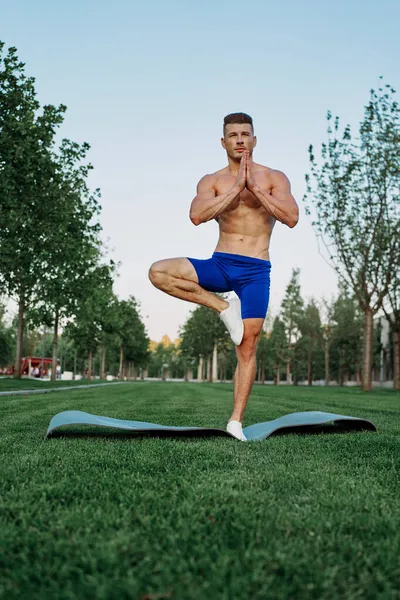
(177,267)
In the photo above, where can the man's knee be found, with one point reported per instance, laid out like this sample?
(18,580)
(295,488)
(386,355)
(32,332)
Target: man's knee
(156,273)
(247,350)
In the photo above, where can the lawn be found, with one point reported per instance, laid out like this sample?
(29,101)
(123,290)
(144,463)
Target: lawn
(295,516)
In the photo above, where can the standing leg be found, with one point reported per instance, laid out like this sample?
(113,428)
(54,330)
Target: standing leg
(245,373)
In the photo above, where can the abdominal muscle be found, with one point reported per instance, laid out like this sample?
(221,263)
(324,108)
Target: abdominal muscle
(245,231)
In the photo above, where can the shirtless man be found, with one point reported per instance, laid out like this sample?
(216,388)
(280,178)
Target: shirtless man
(245,199)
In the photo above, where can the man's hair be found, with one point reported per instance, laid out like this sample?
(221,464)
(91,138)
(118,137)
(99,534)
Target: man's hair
(238,118)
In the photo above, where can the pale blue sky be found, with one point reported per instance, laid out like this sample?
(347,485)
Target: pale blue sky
(147,84)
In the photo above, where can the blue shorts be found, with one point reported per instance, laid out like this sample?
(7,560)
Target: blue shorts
(248,277)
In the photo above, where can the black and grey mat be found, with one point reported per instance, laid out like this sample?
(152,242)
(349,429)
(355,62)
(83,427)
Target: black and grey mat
(301,422)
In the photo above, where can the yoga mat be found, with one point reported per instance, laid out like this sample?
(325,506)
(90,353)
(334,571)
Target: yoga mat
(301,422)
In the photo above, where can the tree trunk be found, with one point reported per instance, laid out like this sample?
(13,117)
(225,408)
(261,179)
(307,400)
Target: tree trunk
(367,350)
(277,376)
(121,359)
(209,374)
(396,360)
(90,360)
(55,344)
(200,369)
(60,346)
(288,375)
(262,372)
(214,372)
(20,333)
(310,368)
(327,375)
(103,362)
(341,374)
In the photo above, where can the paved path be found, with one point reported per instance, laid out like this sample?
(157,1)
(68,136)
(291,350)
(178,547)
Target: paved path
(58,389)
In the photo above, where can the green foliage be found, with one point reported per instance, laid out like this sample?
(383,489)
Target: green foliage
(278,346)
(309,350)
(201,332)
(292,308)
(355,195)
(72,246)
(6,339)
(87,327)
(27,178)
(347,332)
(166,357)
(132,334)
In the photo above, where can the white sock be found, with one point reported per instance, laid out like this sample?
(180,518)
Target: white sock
(235,429)
(232,318)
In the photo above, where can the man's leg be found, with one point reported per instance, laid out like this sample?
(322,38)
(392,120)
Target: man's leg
(245,373)
(177,277)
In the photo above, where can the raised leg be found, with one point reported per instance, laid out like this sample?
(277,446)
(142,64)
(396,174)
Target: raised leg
(177,277)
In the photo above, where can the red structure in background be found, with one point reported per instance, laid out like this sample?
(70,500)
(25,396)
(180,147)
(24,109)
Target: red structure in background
(36,362)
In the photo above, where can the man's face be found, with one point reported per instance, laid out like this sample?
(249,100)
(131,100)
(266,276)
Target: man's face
(237,139)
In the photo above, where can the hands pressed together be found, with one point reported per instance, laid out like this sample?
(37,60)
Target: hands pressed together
(245,177)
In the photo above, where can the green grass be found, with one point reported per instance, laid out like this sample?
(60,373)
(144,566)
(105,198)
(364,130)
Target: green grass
(292,517)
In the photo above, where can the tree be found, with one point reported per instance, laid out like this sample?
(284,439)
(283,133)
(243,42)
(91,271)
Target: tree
(346,341)
(86,329)
(202,332)
(354,193)
(134,342)
(72,246)
(27,188)
(311,336)
(327,330)
(291,313)
(278,348)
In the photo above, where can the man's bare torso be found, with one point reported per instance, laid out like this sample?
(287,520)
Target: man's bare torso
(245,227)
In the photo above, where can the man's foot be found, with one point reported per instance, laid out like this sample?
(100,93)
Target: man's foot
(232,318)
(235,429)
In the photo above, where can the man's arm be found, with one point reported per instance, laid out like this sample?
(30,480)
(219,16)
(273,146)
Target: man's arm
(280,202)
(207,205)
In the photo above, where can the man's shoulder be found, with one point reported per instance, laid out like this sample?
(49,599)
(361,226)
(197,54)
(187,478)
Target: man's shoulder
(273,175)
(213,177)
(269,170)
(220,173)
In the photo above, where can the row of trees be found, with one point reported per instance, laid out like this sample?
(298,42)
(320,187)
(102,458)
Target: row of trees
(53,263)
(112,343)
(304,342)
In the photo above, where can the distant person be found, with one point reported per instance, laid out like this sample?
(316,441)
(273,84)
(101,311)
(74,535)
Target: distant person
(246,199)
